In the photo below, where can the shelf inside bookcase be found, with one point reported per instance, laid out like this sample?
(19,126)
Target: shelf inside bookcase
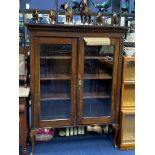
(54,96)
(89,95)
(55,57)
(97,76)
(128,105)
(97,57)
(55,77)
(63,96)
(129,82)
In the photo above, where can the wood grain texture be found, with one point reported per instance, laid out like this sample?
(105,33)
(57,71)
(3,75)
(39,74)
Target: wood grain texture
(23,124)
(127,106)
(73,35)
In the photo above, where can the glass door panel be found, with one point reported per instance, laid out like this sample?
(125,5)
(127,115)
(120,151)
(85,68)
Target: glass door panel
(97,80)
(55,81)
(97,107)
(54,68)
(55,109)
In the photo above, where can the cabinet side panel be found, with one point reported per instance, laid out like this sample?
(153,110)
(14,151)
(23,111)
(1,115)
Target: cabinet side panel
(119,80)
(32,81)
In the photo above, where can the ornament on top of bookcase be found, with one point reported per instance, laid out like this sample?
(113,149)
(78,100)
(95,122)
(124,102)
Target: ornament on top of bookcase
(99,19)
(115,19)
(35,16)
(52,17)
(125,6)
(102,7)
(85,12)
(68,13)
(76,5)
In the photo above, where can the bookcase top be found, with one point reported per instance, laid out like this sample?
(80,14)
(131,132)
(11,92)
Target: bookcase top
(75,28)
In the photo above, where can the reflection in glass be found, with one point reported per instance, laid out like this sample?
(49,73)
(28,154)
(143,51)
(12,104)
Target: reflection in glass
(54,88)
(55,61)
(55,84)
(97,107)
(55,50)
(54,67)
(98,69)
(55,109)
(99,50)
(98,87)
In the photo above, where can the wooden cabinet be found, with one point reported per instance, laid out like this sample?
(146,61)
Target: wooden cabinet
(23,118)
(127,116)
(75,74)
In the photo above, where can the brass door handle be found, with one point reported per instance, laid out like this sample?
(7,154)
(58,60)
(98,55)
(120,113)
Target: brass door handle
(79,85)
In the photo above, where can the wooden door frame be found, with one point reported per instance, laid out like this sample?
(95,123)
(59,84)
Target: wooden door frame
(35,81)
(105,119)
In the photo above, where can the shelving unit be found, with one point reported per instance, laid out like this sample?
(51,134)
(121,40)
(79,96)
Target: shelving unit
(76,77)
(127,112)
(72,83)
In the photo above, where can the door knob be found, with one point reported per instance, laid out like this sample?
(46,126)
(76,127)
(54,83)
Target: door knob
(79,85)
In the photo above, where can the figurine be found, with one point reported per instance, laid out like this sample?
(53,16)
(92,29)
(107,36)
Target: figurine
(115,19)
(99,19)
(69,13)
(76,5)
(35,16)
(104,6)
(125,6)
(52,16)
(85,12)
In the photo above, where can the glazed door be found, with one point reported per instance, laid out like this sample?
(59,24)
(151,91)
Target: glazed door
(56,86)
(97,79)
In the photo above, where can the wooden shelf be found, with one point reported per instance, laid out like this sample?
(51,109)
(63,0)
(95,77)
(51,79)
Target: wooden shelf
(129,107)
(97,76)
(131,82)
(56,96)
(96,57)
(55,57)
(56,77)
(130,44)
(92,95)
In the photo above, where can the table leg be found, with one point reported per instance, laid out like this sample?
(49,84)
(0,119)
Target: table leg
(32,139)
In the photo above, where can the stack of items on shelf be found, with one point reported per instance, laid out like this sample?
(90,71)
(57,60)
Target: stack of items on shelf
(72,131)
(129,43)
(83,130)
(21,30)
